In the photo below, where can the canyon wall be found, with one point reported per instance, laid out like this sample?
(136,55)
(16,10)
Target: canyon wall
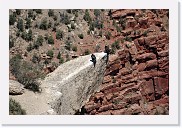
(137,77)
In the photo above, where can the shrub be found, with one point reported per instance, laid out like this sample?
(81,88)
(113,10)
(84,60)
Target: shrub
(118,28)
(43,24)
(11,42)
(15,108)
(29,35)
(80,36)
(69,10)
(50,40)
(108,35)
(46,36)
(38,11)
(40,40)
(18,11)
(49,24)
(97,12)
(50,12)
(59,34)
(72,26)
(92,26)
(115,45)
(59,55)
(64,19)
(15,64)
(28,23)
(30,13)
(87,52)
(55,17)
(145,33)
(74,48)
(50,53)
(128,38)
(24,35)
(12,19)
(97,47)
(25,73)
(35,58)
(20,25)
(87,17)
(61,60)
(68,45)
(30,47)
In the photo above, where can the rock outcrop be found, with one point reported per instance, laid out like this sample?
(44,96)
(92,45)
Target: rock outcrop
(68,88)
(15,88)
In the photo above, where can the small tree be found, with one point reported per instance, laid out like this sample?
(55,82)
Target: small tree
(50,24)
(108,35)
(61,60)
(59,55)
(12,19)
(38,11)
(87,17)
(30,47)
(50,53)
(11,42)
(59,34)
(50,40)
(28,23)
(29,35)
(18,11)
(46,36)
(30,13)
(40,40)
(24,35)
(97,12)
(20,25)
(72,26)
(43,24)
(50,12)
(68,45)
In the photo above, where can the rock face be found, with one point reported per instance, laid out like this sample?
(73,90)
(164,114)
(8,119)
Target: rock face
(136,82)
(15,88)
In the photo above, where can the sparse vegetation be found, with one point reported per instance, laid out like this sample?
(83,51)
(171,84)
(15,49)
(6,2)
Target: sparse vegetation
(15,108)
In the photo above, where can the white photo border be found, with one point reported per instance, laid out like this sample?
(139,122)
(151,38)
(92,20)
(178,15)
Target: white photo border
(171,119)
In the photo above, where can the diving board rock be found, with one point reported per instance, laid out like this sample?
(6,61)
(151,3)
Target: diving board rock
(70,86)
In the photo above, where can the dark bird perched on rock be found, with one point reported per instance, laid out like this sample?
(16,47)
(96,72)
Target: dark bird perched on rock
(107,50)
(93,57)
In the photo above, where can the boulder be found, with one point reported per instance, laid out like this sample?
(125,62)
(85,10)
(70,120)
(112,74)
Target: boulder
(15,88)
